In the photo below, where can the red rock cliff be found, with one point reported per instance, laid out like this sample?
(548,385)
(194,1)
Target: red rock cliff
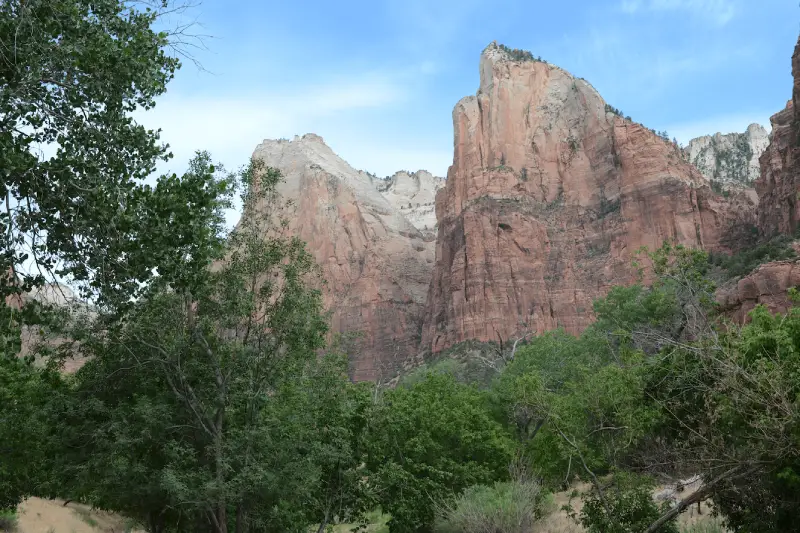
(548,197)
(376,263)
(779,184)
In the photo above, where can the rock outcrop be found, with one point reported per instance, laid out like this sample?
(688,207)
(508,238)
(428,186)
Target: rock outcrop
(549,196)
(732,159)
(767,285)
(779,185)
(376,263)
(414,194)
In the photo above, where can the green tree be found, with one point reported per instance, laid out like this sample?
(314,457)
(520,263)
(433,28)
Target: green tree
(430,441)
(214,398)
(71,74)
(732,403)
(25,394)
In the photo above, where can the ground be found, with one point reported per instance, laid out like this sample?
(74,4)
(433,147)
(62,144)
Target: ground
(52,516)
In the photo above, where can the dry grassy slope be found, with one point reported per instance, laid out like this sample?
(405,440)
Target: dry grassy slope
(51,516)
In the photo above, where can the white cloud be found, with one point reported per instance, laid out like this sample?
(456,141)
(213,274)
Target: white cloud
(719,12)
(734,123)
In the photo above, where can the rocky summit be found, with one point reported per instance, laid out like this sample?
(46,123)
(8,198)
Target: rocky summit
(732,159)
(549,196)
(414,194)
(376,263)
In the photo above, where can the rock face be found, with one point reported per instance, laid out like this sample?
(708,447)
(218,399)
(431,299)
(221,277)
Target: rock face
(767,285)
(414,194)
(730,159)
(376,263)
(548,197)
(779,184)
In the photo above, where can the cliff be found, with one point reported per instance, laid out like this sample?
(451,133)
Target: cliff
(549,195)
(731,159)
(414,195)
(779,183)
(376,263)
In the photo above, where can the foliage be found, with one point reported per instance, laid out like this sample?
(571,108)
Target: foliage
(742,263)
(520,55)
(429,441)
(734,414)
(505,507)
(8,521)
(625,509)
(211,409)
(72,73)
(468,361)
(25,393)
(575,404)
(614,110)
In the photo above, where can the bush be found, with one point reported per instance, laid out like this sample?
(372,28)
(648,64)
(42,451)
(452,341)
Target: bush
(8,521)
(505,507)
(776,249)
(630,510)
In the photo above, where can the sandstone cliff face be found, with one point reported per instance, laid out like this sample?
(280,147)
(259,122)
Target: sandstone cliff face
(376,263)
(779,184)
(548,197)
(730,159)
(414,195)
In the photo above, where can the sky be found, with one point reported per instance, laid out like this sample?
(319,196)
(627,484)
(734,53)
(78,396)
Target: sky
(378,79)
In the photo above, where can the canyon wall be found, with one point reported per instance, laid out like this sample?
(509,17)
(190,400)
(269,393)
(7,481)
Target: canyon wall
(376,263)
(778,186)
(778,190)
(549,196)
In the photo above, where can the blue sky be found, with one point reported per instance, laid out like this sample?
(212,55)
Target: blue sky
(378,80)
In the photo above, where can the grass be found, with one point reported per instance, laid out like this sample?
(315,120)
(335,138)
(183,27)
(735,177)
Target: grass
(86,516)
(8,521)
(506,507)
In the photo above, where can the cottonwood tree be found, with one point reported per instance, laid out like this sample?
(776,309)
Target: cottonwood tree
(215,398)
(73,204)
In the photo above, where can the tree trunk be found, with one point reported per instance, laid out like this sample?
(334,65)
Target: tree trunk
(324,522)
(241,519)
(222,517)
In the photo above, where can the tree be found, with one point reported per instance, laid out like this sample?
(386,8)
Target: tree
(25,394)
(733,411)
(214,398)
(430,441)
(578,407)
(71,74)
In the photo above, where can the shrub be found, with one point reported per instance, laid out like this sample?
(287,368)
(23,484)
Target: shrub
(8,521)
(630,510)
(776,249)
(505,507)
